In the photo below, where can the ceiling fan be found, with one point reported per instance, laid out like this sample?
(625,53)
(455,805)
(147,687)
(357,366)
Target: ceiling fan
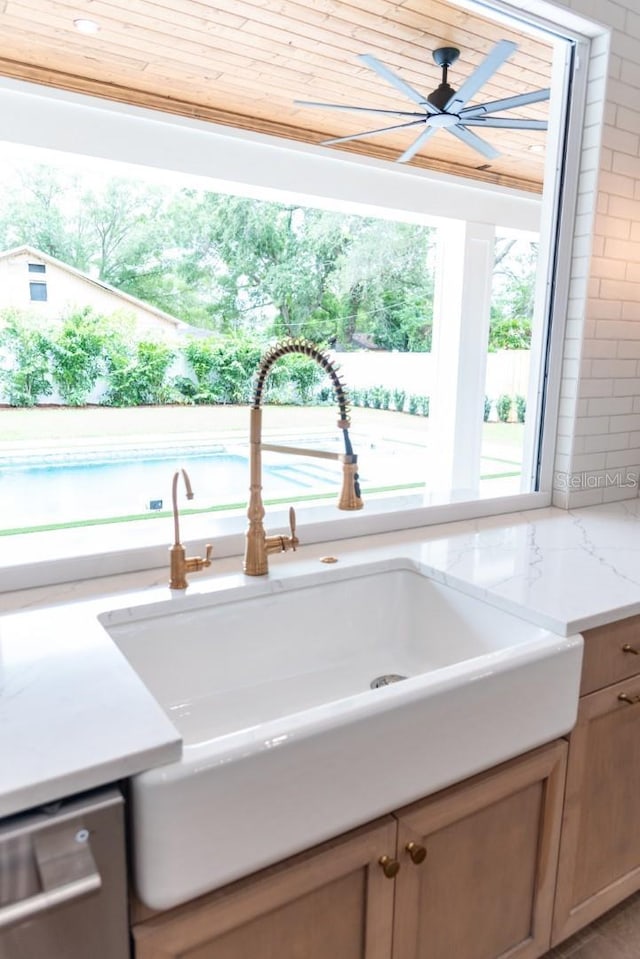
(445,109)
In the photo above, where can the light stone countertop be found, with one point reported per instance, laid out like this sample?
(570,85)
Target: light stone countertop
(74,715)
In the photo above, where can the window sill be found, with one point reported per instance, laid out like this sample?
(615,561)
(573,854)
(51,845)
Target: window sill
(43,559)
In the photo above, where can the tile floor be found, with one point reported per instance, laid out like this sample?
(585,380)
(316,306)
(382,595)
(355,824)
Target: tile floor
(616,935)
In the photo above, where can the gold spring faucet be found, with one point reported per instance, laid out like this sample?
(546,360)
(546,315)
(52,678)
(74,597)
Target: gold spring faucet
(180,563)
(258,545)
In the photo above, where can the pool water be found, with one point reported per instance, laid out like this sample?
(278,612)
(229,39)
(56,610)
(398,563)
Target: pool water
(97,490)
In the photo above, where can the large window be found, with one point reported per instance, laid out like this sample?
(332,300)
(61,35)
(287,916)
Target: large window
(398,274)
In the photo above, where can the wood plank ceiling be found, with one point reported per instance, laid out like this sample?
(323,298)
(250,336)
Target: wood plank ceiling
(243,63)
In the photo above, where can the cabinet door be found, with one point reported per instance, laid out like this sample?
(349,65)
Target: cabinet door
(485,888)
(332,903)
(600,850)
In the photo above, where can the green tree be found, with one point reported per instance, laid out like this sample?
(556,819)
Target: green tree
(385,275)
(25,377)
(78,354)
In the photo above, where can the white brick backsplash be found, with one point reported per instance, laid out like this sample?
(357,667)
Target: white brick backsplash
(633,272)
(621,424)
(626,163)
(600,349)
(588,461)
(595,425)
(627,119)
(622,141)
(635,230)
(621,249)
(618,329)
(604,310)
(599,388)
(626,209)
(619,289)
(622,458)
(624,387)
(607,405)
(604,444)
(628,488)
(607,268)
(576,499)
(631,311)
(611,226)
(613,368)
(629,349)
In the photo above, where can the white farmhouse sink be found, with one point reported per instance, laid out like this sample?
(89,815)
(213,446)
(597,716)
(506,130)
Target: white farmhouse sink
(285,742)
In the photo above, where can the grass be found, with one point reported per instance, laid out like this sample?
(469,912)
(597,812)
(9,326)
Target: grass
(49,424)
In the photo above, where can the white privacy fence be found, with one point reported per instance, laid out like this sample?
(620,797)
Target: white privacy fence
(507,373)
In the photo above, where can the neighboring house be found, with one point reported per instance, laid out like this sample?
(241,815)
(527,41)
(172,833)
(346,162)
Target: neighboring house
(36,282)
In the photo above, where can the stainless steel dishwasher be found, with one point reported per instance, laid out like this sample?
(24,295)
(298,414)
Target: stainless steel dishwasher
(63,889)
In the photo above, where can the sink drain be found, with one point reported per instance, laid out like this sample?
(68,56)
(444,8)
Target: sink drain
(386,680)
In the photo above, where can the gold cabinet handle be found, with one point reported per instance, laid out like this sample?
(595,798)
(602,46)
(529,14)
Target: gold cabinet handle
(417,853)
(629,700)
(390,867)
(628,648)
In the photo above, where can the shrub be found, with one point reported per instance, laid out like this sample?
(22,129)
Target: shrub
(413,403)
(487,409)
(27,376)
(513,333)
(521,408)
(293,379)
(503,407)
(399,397)
(423,405)
(385,398)
(78,355)
(138,376)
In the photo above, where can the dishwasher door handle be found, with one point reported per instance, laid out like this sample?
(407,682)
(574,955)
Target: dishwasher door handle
(67,872)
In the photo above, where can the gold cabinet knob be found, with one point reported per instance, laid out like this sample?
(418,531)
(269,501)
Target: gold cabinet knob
(390,867)
(629,700)
(416,852)
(628,648)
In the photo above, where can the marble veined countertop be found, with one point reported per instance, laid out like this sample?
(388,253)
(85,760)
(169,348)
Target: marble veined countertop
(74,715)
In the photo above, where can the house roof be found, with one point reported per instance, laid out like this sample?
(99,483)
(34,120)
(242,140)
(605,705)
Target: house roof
(179,325)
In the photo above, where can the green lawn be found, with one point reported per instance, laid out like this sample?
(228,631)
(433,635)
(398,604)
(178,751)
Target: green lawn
(47,424)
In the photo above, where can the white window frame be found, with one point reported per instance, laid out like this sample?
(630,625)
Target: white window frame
(224,159)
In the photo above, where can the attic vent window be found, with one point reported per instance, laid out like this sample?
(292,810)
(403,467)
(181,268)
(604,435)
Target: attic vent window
(38,291)
(37,268)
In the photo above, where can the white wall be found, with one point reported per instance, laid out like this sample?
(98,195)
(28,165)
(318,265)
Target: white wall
(599,424)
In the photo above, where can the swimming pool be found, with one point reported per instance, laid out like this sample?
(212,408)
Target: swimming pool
(81,490)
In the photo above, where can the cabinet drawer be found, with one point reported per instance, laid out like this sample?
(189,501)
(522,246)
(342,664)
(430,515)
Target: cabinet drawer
(611,653)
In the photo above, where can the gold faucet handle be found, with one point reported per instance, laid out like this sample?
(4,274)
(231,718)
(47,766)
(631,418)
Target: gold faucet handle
(196,563)
(294,541)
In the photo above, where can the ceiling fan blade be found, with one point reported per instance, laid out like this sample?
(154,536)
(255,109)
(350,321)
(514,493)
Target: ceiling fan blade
(341,106)
(417,143)
(370,133)
(474,141)
(504,122)
(502,50)
(509,103)
(397,82)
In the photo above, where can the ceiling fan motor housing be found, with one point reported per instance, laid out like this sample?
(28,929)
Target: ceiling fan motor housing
(443,57)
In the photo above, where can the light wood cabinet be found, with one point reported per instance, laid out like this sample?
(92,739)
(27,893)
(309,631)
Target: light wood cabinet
(484,890)
(600,850)
(331,903)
